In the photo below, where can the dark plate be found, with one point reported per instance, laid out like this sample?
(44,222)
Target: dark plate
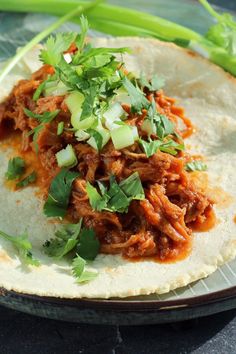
(117,312)
(215,294)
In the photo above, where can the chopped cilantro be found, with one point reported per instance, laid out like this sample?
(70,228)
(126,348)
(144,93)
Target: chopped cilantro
(163,126)
(44,118)
(155,84)
(23,247)
(138,100)
(39,90)
(59,194)
(195,166)
(27,180)
(55,46)
(152,146)
(171,146)
(65,241)
(79,272)
(88,245)
(97,137)
(15,169)
(118,197)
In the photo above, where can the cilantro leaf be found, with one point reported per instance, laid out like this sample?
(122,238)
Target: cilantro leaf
(65,241)
(155,84)
(78,265)
(27,180)
(118,200)
(84,26)
(15,169)
(195,166)
(59,194)
(138,100)
(55,46)
(132,187)
(118,197)
(79,272)
(97,201)
(46,117)
(88,245)
(23,246)
(171,147)
(97,137)
(150,147)
(39,90)
(90,52)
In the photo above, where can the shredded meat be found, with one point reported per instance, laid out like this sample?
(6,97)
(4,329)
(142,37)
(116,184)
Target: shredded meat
(158,226)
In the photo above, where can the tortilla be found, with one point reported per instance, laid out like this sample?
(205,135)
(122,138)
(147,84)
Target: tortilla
(208,95)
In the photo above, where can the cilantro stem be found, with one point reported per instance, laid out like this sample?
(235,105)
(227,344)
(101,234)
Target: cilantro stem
(39,37)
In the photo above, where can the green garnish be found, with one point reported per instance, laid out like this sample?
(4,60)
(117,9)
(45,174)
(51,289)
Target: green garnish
(81,244)
(23,246)
(39,90)
(72,12)
(79,272)
(138,100)
(98,139)
(65,241)
(15,169)
(88,245)
(59,194)
(60,128)
(155,84)
(44,118)
(27,180)
(152,146)
(118,197)
(223,34)
(195,166)
(55,46)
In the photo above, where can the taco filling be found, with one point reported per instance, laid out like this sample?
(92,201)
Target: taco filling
(105,146)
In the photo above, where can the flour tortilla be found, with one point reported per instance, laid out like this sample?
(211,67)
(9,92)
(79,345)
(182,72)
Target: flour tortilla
(208,95)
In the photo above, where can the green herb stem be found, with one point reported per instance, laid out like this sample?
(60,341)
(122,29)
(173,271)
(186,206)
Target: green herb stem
(39,37)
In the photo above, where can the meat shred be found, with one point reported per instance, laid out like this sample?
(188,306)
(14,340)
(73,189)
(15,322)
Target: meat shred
(160,225)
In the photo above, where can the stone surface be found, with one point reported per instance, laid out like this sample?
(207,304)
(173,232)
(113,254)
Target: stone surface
(24,334)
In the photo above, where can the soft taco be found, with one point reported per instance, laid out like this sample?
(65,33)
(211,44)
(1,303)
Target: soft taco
(118,166)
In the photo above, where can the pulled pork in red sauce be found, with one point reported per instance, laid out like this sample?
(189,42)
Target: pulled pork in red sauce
(159,226)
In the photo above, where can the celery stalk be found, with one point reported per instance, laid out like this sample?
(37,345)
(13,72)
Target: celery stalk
(130,17)
(38,38)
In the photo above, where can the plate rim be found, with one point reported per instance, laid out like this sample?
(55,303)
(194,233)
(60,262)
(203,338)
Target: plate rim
(126,304)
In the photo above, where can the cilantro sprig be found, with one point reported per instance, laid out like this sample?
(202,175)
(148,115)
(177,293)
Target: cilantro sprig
(15,169)
(118,197)
(59,194)
(80,243)
(23,246)
(196,165)
(46,117)
(65,241)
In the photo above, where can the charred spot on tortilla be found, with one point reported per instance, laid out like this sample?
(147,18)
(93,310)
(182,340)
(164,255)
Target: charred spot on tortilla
(111,153)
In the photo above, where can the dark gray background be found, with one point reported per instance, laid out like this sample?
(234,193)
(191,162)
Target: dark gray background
(24,334)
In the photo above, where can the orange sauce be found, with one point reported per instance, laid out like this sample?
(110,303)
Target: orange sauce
(208,224)
(234,219)
(12,140)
